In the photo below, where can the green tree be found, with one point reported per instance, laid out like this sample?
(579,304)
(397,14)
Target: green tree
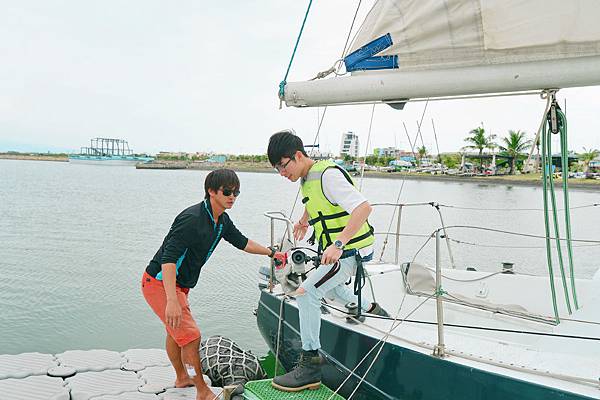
(514,144)
(372,160)
(421,153)
(479,141)
(588,156)
(451,160)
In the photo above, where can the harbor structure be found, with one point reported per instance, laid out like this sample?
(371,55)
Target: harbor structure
(108,151)
(349,144)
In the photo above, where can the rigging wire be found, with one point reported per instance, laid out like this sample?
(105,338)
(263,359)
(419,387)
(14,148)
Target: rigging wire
(483,228)
(362,170)
(337,65)
(514,209)
(498,246)
(483,328)
(385,241)
(346,47)
(461,354)
(311,153)
(437,146)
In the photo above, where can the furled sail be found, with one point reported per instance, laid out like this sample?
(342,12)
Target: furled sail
(432,48)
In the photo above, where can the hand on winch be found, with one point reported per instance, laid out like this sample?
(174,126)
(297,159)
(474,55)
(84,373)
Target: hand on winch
(331,255)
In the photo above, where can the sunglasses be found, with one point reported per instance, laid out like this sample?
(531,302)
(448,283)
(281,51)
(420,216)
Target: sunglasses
(229,192)
(280,167)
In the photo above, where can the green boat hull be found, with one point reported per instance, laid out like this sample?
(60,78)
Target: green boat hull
(398,373)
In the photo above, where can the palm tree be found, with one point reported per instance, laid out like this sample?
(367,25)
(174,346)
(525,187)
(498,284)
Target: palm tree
(515,144)
(422,152)
(480,141)
(587,156)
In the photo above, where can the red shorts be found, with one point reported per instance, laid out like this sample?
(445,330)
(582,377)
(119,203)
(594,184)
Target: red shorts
(156,297)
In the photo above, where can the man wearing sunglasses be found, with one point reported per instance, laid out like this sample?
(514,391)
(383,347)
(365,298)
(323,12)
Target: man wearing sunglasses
(338,213)
(176,266)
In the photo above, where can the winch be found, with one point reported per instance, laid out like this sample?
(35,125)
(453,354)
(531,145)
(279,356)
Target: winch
(290,270)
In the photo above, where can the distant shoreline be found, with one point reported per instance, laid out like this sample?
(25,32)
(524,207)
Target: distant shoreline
(34,157)
(531,180)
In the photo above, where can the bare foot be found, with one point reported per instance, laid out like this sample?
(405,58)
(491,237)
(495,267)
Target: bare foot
(204,393)
(183,383)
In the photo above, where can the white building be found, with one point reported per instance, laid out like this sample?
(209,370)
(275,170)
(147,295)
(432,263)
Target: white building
(349,144)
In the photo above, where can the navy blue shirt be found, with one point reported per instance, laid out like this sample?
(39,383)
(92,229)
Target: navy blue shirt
(190,242)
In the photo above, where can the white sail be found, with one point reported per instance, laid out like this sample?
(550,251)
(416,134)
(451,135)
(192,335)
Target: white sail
(462,47)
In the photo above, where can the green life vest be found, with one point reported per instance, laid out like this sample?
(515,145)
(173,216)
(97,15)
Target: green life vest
(328,219)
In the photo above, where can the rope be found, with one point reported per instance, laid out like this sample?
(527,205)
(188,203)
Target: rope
(546,218)
(284,81)
(564,151)
(550,176)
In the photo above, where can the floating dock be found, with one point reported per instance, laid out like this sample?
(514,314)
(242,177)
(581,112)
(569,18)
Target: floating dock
(136,374)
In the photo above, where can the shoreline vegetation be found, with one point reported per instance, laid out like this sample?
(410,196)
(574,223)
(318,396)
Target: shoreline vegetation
(264,167)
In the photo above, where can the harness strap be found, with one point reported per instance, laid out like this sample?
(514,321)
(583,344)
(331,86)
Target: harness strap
(322,218)
(334,270)
(359,282)
(325,232)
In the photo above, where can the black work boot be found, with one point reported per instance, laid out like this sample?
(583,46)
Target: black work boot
(306,375)
(377,310)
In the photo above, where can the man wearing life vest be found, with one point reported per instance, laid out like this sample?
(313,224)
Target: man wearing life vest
(338,213)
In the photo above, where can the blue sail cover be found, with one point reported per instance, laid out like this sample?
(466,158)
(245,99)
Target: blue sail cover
(365,57)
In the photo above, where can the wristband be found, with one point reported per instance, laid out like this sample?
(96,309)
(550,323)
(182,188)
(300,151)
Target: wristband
(272,251)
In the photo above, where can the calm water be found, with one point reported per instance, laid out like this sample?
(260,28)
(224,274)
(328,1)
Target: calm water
(76,238)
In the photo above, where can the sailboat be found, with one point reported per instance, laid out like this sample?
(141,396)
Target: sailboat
(457,333)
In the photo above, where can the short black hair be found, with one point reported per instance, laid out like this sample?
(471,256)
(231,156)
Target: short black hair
(284,144)
(221,178)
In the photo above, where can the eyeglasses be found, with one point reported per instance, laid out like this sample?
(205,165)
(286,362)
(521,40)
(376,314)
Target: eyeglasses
(229,192)
(280,167)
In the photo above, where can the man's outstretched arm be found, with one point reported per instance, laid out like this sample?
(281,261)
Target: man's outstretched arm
(255,248)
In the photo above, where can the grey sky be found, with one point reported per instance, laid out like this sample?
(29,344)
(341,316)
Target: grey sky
(203,76)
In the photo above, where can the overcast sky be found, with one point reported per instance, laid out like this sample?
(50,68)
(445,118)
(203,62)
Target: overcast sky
(203,76)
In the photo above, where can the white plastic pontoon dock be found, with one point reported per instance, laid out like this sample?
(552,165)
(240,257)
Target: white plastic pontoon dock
(137,374)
